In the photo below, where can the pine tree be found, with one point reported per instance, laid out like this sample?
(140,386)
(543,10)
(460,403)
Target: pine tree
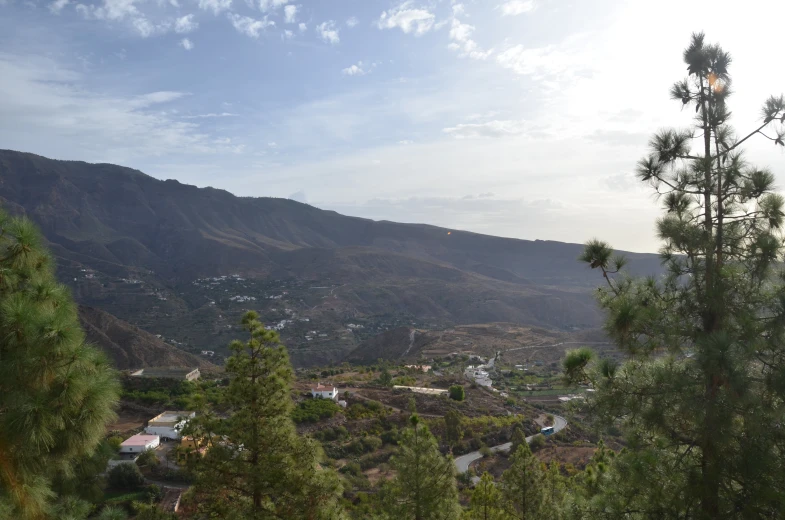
(702,393)
(112,513)
(56,392)
(453,432)
(486,500)
(256,466)
(424,487)
(555,492)
(518,438)
(522,485)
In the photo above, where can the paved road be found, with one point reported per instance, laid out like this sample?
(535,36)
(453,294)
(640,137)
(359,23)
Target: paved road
(463,462)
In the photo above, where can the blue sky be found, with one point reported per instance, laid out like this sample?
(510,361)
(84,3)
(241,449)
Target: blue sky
(518,118)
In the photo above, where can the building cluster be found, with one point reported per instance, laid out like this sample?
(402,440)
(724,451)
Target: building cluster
(167,426)
(479,375)
(242,299)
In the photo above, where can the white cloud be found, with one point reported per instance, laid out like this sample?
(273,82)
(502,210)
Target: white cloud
(354,70)
(186,44)
(288,35)
(51,109)
(249,26)
(290,13)
(328,32)
(360,69)
(268,5)
(185,24)
(110,10)
(211,115)
(406,142)
(494,128)
(143,26)
(216,6)
(416,20)
(124,10)
(516,7)
(155,98)
(460,31)
(57,6)
(352,21)
(302,27)
(460,34)
(538,62)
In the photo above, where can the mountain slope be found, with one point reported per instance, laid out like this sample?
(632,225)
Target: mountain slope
(119,215)
(130,347)
(156,254)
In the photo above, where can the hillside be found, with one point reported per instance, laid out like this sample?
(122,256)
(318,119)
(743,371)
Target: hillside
(159,254)
(130,347)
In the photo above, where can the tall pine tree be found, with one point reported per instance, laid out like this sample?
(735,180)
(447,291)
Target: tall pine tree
(486,501)
(256,467)
(523,486)
(56,392)
(453,424)
(424,487)
(702,394)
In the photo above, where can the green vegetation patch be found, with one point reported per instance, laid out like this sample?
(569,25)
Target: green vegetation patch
(315,410)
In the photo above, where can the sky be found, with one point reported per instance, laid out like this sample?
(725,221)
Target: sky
(517,118)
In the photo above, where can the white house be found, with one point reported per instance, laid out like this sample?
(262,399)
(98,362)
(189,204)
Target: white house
(324,392)
(139,443)
(168,425)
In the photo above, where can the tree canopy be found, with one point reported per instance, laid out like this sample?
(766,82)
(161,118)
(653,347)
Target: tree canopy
(255,465)
(57,393)
(701,396)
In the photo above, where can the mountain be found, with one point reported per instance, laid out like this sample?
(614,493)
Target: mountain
(130,347)
(160,255)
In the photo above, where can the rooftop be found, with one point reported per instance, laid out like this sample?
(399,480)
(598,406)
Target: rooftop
(170,416)
(139,440)
(323,388)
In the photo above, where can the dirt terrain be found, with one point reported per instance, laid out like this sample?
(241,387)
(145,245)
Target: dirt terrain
(516,343)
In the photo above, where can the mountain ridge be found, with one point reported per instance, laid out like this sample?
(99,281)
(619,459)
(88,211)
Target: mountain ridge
(109,224)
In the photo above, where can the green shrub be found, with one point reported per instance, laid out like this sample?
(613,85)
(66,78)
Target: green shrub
(457,393)
(332,434)
(147,458)
(404,381)
(373,460)
(352,468)
(126,476)
(153,492)
(364,445)
(115,442)
(365,410)
(537,443)
(390,436)
(314,410)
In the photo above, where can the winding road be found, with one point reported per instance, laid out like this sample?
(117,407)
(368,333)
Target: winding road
(463,462)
